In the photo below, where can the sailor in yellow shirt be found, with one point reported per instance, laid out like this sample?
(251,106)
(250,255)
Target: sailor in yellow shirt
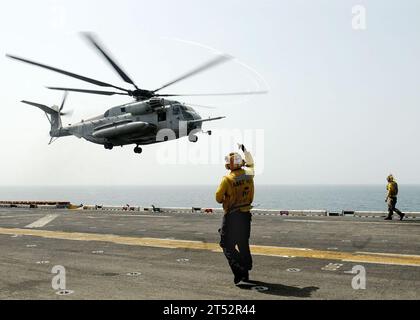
(391,198)
(236,193)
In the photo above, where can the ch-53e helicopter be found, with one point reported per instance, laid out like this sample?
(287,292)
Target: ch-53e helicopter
(138,122)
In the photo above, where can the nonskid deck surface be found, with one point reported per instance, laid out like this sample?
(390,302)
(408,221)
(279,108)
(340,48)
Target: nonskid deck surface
(141,255)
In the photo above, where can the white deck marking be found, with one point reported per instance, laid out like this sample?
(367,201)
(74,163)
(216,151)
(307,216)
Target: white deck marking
(332,266)
(43,221)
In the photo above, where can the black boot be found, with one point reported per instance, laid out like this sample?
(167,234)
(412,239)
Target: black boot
(237,279)
(402,215)
(245,277)
(242,276)
(388,218)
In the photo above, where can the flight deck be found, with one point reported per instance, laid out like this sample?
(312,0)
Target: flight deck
(158,254)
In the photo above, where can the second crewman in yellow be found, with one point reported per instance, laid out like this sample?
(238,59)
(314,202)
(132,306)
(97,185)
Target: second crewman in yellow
(236,193)
(391,198)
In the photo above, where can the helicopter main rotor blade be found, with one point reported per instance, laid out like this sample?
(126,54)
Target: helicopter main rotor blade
(212,94)
(207,65)
(67,73)
(95,43)
(106,93)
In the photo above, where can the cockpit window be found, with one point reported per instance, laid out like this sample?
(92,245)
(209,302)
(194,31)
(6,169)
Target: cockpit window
(186,111)
(175,109)
(187,108)
(187,115)
(106,114)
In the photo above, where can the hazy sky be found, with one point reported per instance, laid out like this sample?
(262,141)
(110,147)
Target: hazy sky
(343,104)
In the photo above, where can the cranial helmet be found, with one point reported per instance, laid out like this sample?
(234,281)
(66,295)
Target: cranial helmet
(390,178)
(234,161)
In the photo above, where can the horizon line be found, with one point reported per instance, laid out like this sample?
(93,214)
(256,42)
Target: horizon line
(201,185)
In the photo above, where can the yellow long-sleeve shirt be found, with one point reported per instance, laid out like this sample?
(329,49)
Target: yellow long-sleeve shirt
(392,188)
(236,190)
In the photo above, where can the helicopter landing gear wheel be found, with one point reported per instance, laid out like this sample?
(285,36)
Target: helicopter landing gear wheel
(193,138)
(137,149)
(108,146)
(209,132)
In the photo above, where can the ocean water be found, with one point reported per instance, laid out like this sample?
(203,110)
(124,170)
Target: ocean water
(287,197)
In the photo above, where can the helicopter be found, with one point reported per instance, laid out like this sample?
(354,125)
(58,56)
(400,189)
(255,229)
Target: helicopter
(149,119)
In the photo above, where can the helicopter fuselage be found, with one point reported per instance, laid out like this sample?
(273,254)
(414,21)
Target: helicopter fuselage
(140,122)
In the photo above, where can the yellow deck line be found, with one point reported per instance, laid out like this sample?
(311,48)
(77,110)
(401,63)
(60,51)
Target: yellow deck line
(379,258)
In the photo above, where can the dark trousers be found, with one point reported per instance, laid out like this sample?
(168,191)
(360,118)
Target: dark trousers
(392,202)
(235,232)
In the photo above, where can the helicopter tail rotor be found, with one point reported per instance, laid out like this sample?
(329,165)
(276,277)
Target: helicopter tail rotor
(67,113)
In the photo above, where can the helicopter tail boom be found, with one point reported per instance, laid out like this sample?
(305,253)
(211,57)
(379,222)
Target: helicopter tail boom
(43,107)
(53,115)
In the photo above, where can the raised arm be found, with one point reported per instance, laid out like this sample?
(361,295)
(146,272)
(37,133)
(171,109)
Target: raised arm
(249,161)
